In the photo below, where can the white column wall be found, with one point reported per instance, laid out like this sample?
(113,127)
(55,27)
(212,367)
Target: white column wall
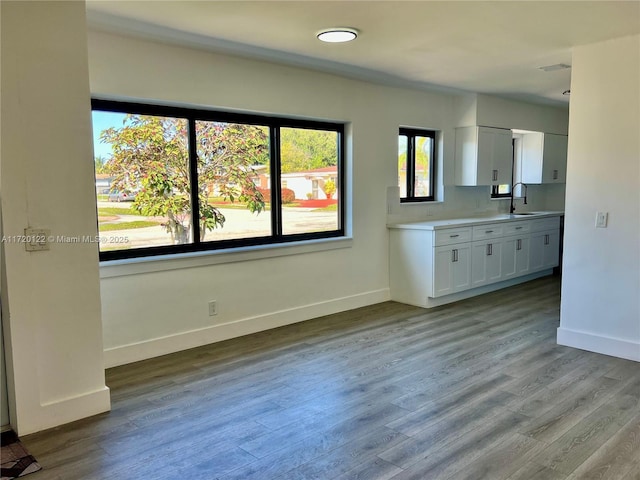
(50,299)
(601,270)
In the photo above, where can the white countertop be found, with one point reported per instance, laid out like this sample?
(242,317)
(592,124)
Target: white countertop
(471,221)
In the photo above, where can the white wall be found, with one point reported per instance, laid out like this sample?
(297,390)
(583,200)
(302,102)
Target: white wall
(601,282)
(138,310)
(154,312)
(51,299)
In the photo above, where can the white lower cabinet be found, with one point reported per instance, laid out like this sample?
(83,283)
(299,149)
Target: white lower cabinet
(452,269)
(428,261)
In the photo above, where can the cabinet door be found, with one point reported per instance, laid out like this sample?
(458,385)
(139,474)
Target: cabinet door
(545,250)
(502,159)
(486,262)
(479,264)
(509,258)
(523,256)
(494,156)
(443,258)
(483,156)
(462,268)
(554,168)
(452,269)
(552,250)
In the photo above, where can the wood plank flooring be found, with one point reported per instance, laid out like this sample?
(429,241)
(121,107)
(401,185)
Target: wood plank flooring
(474,390)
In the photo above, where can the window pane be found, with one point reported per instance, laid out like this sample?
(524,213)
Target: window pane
(403,143)
(142,180)
(422,180)
(501,189)
(233,180)
(309,180)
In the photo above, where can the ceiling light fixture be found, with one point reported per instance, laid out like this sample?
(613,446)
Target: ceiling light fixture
(337,34)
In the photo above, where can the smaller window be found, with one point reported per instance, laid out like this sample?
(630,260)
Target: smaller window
(416,165)
(501,191)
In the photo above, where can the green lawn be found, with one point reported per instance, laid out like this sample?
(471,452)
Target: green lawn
(104,211)
(106,227)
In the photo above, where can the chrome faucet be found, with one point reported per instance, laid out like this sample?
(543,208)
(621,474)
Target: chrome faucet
(512,208)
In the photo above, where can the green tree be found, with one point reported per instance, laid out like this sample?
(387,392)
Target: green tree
(100,164)
(150,156)
(329,188)
(304,149)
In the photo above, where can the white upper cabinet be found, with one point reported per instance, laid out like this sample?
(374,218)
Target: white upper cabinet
(544,158)
(483,156)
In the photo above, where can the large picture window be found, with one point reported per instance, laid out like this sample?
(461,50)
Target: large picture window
(416,165)
(172,180)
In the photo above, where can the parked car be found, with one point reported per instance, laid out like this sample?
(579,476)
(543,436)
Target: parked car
(118,196)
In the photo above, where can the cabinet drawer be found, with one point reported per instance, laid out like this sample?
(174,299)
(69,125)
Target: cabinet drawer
(545,224)
(484,232)
(516,228)
(451,236)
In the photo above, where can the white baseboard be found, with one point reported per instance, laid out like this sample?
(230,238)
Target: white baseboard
(196,338)
(615,347)
(66,410)
(456,297)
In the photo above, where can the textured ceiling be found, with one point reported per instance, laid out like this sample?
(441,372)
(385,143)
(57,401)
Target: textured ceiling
(487,47)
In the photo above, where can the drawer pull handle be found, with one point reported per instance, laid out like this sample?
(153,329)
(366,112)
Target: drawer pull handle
(488,231)
(518,228)
(454,236)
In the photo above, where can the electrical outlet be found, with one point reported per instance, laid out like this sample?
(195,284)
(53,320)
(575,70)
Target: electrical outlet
(213,308)
(601,219)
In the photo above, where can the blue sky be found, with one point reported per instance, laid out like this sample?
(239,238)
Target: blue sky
(102,121)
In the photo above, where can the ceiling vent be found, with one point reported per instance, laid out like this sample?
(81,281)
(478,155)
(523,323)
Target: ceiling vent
(553,68)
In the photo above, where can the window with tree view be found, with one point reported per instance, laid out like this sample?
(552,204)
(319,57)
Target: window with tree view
(171,180)
(416,164)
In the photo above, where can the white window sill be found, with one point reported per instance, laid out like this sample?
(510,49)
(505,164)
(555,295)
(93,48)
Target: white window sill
(430,202)
(163,263)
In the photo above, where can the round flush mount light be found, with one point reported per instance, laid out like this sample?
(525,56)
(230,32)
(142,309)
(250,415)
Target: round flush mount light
(337,35)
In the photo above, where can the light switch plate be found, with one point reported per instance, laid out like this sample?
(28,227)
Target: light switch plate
(601,219)
(36,239)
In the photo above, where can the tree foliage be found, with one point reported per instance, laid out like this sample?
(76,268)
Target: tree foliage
(150,156)
(100,164)
(303,149)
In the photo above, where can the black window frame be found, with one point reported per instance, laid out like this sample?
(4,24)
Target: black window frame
(411,134)
(274,123)
(495,188)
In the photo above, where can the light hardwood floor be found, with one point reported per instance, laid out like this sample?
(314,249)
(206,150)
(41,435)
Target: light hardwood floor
(474,390)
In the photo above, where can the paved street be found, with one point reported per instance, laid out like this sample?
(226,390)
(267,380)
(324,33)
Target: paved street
(240,223)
